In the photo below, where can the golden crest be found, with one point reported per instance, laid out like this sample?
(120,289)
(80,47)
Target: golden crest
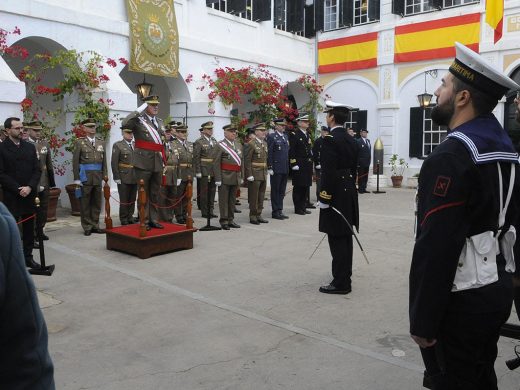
(43,150)
(100,148)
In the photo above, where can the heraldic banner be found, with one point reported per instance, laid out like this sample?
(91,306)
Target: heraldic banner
(154,38)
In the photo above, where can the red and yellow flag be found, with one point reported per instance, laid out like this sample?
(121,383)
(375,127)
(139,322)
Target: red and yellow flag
(495,16)
(436,39)
(349,53)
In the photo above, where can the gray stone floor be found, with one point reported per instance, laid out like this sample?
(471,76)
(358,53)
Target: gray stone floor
(239,311)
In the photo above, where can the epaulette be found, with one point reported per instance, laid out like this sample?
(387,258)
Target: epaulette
(293,160)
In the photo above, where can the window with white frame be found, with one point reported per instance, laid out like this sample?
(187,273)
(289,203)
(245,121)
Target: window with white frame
(223,5)
(361,11)
(413,7)
(280,15)
(331,14)
(433,134)
(455,3)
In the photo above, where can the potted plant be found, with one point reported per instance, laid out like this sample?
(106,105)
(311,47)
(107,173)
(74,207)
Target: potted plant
(397,167)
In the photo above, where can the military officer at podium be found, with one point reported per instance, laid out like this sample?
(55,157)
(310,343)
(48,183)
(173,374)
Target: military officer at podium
(227,164)
(89,168)
(43,152)
(255,167)
(300,159)
(203,150)
(278,167)
(124,176)
(149,155)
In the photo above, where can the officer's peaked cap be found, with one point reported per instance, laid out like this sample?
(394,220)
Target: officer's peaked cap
(89,122)
(229,127)
(303,117)
(34,125)
(207,125)
(152,99)
(474,70)
(331,106)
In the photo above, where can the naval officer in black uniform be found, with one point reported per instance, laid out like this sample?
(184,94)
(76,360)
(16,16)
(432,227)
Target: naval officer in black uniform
(300,160)
(339,156)
(468,207)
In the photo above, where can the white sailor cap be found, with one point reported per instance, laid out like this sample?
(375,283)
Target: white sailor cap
(474,70)
(333,106)
(303,117)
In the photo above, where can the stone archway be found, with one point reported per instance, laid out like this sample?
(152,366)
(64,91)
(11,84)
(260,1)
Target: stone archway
(40,45)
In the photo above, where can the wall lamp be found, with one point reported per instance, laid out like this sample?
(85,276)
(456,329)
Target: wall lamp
(426,98)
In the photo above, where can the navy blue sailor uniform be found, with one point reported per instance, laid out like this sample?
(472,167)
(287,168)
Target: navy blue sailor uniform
(278,162)
(457,292)
(339,155)
(300,155)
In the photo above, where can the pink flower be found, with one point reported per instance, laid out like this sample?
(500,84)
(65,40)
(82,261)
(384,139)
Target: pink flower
(111,62)
(123,61)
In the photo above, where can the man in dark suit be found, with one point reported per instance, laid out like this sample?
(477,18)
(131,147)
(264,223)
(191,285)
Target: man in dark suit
(149,155)
(124,176)
(20,176)
(278,166)
(300,160)
(339,156)
(365,151)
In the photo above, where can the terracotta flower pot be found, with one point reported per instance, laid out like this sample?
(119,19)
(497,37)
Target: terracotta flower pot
(54,195)
(396,181)
(74,202)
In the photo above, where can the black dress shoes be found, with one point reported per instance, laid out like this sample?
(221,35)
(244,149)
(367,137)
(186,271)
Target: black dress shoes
(213,216)
(234,225)
(98,230)
(284,216)
(45,237)
(330,289)
(224,227)
(237,211)
(124,223)
(155,225)
(277,216)
(181,221)
(310,206)
(254,222)
(87,233)
(307,212)
(261,220)
(137,220)
(29,262)
(299,212)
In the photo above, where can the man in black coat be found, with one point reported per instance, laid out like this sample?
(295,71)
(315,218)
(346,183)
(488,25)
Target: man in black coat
(339,156)
(20,176)
(468,211)
(316,158)
(300,160)
(365,151)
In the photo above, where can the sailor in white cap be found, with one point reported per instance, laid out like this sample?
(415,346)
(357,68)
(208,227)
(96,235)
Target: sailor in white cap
(468,206)
(338,157)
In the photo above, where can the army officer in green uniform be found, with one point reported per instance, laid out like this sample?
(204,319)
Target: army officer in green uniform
(89,168)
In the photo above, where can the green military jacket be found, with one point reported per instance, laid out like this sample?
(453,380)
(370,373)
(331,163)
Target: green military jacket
(184,154)
(86,153)
(203,150)
(122,167)
(255,160)
(222,160)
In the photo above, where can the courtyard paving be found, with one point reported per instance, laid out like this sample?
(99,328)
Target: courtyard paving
(241,310)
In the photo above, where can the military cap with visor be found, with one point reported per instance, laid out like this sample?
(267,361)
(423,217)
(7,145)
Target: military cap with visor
(152,99)
(89,122)
(33,125)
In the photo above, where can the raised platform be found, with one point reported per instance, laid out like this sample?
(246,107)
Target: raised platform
(172,237)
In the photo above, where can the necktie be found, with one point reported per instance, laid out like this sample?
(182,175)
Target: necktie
(93,143)
(131,146)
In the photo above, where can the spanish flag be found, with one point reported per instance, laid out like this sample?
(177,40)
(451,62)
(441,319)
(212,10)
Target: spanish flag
(436,39)
(349,53)
(495,16)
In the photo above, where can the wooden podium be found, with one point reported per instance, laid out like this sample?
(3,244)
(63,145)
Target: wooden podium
(137,241)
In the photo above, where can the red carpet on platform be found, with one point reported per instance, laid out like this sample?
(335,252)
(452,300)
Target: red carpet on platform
(133,230)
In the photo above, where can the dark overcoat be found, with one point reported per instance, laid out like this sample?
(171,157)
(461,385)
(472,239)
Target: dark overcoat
(19,167)
(339,156)
(278,153)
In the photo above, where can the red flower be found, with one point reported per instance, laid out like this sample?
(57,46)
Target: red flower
(111,62)
(26,104)
(104,78)
(123,60)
